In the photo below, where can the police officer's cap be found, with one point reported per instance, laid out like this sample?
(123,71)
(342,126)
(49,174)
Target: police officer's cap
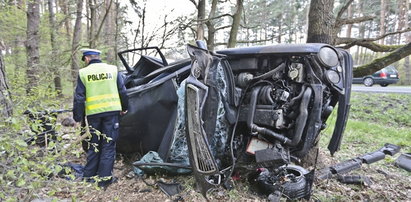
(87,51)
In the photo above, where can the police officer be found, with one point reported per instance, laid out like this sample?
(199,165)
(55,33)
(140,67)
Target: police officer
(100,95)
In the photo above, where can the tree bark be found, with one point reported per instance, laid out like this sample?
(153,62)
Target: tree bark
(110,31)
(93,20)
(32,43)
(211,26)
(232,41)
(407,66)
(382,19)
(6,108)
(54,47)
(349,26)
(321,22)
(76,41)
(117,29)
(200,19)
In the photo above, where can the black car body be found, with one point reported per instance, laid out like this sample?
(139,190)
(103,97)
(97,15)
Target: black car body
(384,77)
(253,106)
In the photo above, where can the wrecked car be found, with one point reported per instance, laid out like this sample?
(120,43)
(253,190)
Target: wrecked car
(259,107)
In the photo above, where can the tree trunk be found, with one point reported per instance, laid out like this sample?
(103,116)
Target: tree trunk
(54,47)
(110,31)
(6,108)
(407,65)
(67,25)
(211,26)
(32,43)
(93,21)
(321,22)
(117,34)
(361,31)
(382,19)
(232,41)
(200,19)
(349,27)
(402,17)
(76,41)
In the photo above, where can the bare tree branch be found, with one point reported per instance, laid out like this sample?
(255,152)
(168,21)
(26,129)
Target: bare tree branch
(342,10)
(346,21)
(102,21)
(373,46)
(384,61)
(365,42)
(250,41)
(223,27)
(194,2)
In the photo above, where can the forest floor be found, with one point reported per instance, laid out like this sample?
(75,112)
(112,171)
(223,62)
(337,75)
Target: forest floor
(367,130)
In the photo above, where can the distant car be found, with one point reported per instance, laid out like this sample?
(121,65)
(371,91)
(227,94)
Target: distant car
(384,77)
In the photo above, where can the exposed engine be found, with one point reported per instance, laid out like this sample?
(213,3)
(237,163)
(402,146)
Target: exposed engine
(280,97)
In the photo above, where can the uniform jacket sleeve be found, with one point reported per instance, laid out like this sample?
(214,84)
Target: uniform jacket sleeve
(79,101)
(122,92)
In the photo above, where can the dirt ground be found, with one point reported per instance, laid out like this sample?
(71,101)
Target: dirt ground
(389,183)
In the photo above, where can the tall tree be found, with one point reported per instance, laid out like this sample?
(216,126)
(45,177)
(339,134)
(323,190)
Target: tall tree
(6,109)
(232,41)
(382,19)
(65,9)
(200,19)
(324,27)
(76,41)
(211,25)
(54,47)
(32,43)
(320,22)
(110,30)
(403,23)
(92,5)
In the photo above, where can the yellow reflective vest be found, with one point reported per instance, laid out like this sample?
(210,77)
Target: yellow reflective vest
(100,80)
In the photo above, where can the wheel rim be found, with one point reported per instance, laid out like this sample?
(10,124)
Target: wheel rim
(368,81)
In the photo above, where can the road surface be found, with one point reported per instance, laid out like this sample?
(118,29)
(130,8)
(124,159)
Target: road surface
(379,89)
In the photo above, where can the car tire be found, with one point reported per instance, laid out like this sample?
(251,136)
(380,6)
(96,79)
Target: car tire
(297,189)
(384,84)
(368,82)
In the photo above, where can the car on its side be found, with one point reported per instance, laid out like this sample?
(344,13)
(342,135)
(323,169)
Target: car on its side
(235,109)
(384,77)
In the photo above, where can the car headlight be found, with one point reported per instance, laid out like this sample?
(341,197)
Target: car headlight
(332,76)
(328,57)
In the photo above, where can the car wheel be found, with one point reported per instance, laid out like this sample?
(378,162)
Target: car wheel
(384,84)
(368,82)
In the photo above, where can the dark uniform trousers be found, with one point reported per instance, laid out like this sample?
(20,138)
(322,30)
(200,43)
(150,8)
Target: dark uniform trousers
(101,151)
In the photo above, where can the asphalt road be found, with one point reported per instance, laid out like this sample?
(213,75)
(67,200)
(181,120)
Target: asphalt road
(379,89)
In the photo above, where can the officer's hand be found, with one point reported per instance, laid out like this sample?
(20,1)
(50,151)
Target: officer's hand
(123,112)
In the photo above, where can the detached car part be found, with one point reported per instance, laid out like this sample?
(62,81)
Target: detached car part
(404,161)
(289,181)
(355,163)
(354,179)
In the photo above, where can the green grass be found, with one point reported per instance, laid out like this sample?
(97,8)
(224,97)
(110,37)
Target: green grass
(375,119)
